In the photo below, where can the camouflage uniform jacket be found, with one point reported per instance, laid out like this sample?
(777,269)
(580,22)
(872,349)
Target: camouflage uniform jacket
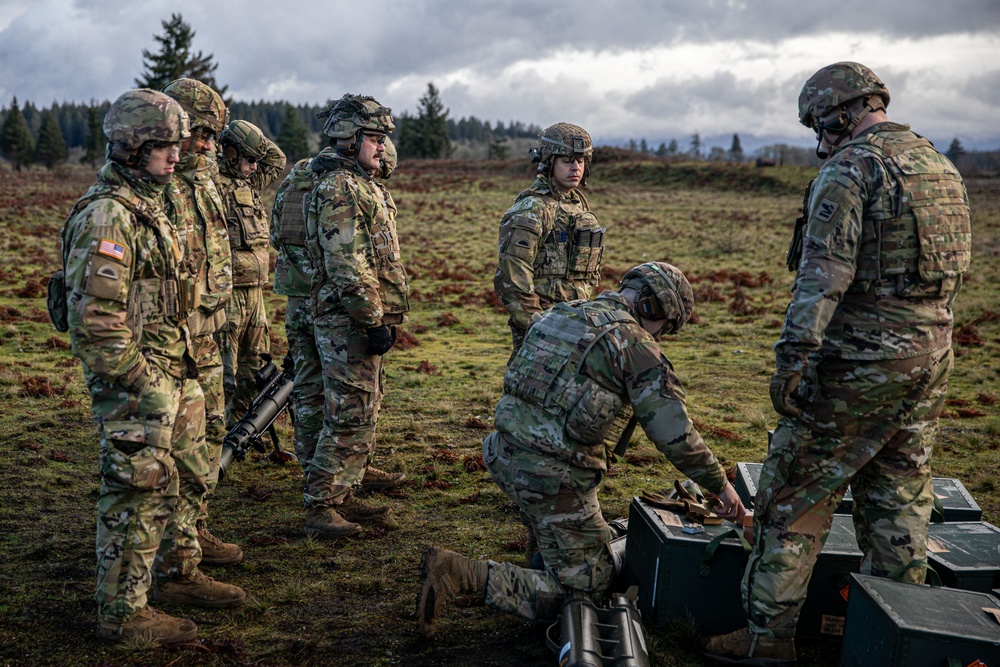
(351,238)
(583,364)
(293,270)
(247,217)
(550,248)
(201,223)
(887,238)
(126,293)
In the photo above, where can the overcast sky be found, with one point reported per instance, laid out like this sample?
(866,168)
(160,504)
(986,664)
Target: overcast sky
(654,69)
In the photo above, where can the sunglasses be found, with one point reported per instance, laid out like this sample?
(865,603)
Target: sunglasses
(375,138)
(250,160)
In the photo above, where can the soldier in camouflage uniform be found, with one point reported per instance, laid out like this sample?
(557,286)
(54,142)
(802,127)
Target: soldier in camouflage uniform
(128,298)
(585,367)
(550,243)
(863,359)
(358,295)
(201,223)
(293,277)
(248,163)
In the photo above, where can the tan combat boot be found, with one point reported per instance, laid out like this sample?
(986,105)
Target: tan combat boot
(355,509)
(150,624)
(214,551)
(742,647)
(327,522)
(200,590)
(380,479)
(445,574)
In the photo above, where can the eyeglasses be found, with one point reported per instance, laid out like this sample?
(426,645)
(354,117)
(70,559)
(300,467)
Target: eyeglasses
(375,138)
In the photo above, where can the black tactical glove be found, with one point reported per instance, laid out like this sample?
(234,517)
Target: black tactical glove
(785,382)
(380,340)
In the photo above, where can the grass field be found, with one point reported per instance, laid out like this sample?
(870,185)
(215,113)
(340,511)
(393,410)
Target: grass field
(351,602)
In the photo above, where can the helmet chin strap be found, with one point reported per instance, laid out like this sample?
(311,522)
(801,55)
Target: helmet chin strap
(841,127)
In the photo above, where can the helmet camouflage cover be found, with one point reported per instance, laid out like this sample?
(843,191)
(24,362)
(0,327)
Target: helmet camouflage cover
(142,115)
(247,138)
(564,139)
(836,85)
(352,113)
(204,105)
(664,294)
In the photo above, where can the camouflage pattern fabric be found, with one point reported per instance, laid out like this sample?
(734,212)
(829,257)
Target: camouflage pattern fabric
(547,412)
(242,339)
(201,224)
(582,364)
(884,247)
(560,504)
(360,283)
(127,317)
(308,393)
(550,249)
(352,390)
(245,335)
(351,238)
(293,270)
(857,298)
(869,424)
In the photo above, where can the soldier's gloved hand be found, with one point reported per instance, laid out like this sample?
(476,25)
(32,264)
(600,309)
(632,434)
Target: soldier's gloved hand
(380,340)
(785,382)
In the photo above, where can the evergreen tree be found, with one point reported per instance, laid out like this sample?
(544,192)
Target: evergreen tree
(499,149)
(633,146)
(51,147)
(736,150)
(94,140)
(175,61)
(16,142)
(293,138)
(955,150)
(661,150)
(427,135)
(673,147)
(643,147)
(695,149)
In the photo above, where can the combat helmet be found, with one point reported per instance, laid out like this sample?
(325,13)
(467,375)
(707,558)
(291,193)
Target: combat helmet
(350,116)
(823,102)
(562,139)
(138,120)
(663,294)
(204,105)
(242,138)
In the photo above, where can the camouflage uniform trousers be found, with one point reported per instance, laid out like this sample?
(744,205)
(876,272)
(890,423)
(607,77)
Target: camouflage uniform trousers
(153,480)
(352,388)
(560,502)
(242,340)
(210,373)
(308,392)
(869,424)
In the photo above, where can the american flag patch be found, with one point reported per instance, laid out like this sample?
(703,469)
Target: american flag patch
(112,249)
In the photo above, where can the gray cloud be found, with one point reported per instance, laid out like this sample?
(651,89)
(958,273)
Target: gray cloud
(75,50)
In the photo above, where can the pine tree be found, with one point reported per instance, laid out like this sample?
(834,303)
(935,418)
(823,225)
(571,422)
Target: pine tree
(428,132)
(643,147)
(955,150)
(736,150)
(661,150)
(93,142)
(16,142)
(174,61)
(672,148)
(293,139)
(695,145)
(51,147)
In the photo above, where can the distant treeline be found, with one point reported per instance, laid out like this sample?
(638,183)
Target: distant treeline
(268,116)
